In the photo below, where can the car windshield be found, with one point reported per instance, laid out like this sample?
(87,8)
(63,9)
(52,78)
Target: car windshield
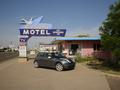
(57,55)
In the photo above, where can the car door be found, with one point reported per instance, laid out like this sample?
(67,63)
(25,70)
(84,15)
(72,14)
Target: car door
(51,62)
(44,61)
(48,60)
(40,59)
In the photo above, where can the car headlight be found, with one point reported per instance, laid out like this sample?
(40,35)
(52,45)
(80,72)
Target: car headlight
(67,60)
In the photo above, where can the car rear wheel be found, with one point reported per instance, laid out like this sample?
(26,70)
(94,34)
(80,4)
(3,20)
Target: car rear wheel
(36,65)
(59,67)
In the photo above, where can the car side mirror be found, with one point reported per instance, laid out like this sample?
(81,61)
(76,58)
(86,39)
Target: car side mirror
(49,57)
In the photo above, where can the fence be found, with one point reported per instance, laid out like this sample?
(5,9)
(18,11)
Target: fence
(102,54)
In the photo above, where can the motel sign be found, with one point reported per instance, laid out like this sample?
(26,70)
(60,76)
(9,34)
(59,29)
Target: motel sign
(43,32)
(33,27)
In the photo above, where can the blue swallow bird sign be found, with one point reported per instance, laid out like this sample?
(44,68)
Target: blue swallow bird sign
(34,27)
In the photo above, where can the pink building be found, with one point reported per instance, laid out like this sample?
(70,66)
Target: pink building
(85,46)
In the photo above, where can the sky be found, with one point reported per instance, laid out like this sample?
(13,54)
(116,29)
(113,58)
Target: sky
(76,16)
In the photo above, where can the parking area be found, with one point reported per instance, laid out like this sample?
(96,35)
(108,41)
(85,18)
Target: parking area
(23,76)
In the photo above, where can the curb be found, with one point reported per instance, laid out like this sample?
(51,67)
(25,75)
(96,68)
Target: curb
(112,75)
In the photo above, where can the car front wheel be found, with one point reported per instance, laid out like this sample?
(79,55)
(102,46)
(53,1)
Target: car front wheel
(59,67)
(36,65)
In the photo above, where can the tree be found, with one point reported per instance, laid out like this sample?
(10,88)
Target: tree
(110,31)
(83,35)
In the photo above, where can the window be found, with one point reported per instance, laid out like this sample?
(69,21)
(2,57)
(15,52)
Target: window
(74,48)
(40,55)
(45,55)
(97,47)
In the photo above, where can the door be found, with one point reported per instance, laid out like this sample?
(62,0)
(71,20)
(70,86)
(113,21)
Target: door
(42,59)
(74,48)
(46,61)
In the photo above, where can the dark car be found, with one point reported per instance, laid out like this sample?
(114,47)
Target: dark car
(53,60)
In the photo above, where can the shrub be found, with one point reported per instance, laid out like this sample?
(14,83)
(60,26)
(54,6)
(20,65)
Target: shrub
(79,59)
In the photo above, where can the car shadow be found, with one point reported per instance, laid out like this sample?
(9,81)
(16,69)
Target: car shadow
(47,68)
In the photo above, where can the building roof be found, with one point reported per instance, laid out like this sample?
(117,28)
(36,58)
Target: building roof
(77,38)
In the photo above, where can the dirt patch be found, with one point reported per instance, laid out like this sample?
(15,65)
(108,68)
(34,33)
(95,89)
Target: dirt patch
(114,82)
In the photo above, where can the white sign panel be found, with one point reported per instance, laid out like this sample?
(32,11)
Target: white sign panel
(22,51)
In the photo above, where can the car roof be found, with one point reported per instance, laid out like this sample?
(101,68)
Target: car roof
(49,52)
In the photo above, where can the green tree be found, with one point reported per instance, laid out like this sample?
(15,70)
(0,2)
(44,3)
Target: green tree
(83,35)
(110,31)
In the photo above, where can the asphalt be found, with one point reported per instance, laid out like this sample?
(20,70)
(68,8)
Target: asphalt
(23,76)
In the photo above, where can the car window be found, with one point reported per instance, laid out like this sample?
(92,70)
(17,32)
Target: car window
(53,55)
(45,55)
(40,54)
(57,55)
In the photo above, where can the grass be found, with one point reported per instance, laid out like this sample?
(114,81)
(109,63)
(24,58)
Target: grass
(110,71)
(107,68)
(103,65)
(80,59)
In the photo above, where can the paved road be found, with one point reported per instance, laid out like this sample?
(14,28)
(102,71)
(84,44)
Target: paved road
(114,82)
(22,76)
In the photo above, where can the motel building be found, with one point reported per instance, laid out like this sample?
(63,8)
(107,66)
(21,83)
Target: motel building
(48,47)
(85,46)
